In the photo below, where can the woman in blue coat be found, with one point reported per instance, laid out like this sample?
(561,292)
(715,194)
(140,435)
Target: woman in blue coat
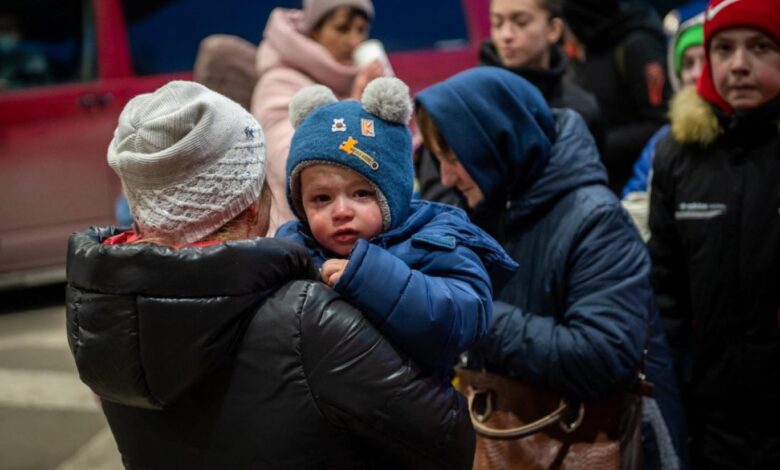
(578,314)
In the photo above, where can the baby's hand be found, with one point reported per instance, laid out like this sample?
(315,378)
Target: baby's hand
(332,270)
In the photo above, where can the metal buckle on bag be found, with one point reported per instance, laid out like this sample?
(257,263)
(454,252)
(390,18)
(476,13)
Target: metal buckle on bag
(488,398)
(571,427)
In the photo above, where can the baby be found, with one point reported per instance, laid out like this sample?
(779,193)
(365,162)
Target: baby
(420,271)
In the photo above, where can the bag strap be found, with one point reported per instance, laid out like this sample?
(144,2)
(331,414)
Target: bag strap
(556,416)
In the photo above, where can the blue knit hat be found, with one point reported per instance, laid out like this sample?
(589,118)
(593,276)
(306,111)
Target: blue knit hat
(369,136)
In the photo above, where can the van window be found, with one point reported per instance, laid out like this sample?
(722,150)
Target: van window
(45,43)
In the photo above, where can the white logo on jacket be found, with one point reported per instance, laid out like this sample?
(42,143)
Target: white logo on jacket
(699,210)
(712,11)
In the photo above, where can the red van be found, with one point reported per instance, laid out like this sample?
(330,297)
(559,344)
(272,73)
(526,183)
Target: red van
(67,68)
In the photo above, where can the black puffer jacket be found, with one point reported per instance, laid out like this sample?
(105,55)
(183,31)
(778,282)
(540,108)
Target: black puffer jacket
(715,246)
(216,357)
(626,71)
(558,91)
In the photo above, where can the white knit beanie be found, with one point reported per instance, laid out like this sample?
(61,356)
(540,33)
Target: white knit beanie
(190,160)
(315,10)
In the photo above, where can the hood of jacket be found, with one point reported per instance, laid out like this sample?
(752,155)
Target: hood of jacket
(548,81)
(521,154)
(696,121)
(608,32)
(147,323)
(497,124)
(285,46)
(574,162)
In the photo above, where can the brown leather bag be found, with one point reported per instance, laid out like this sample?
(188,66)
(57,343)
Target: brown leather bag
(520,426)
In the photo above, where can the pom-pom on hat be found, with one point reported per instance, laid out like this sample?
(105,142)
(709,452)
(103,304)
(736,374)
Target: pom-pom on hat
(370,137)
(315,10)
(190,160)
(720,15)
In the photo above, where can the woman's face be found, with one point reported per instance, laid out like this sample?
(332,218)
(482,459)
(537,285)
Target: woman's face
(454,175)
(340,35)
(692,62)
(745,67)
(523,32)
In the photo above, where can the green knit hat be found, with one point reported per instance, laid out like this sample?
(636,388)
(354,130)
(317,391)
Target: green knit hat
(693,36)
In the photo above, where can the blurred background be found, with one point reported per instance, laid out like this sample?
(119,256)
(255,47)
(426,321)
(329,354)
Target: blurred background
(67,68)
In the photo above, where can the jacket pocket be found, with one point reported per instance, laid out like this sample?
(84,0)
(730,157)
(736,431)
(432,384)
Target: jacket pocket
(701,227)
(442,242)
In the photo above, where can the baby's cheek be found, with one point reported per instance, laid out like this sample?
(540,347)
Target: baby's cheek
(374,222)
(317,225)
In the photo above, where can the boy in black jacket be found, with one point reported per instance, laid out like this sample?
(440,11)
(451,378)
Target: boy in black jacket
(715,238)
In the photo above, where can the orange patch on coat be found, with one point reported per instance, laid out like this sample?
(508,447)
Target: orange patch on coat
(654,75)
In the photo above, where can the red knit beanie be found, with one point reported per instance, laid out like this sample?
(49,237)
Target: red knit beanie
(763,15)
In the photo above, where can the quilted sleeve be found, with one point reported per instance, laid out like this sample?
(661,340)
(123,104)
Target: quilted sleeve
(433,311)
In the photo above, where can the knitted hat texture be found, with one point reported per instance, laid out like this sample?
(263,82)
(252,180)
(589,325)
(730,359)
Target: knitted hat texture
(315,10)
(370,137)
(763,15)
(189,159)
(693,36)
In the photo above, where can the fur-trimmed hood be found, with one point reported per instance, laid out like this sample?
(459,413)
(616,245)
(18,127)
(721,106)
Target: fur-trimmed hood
(696,121)
(693,120)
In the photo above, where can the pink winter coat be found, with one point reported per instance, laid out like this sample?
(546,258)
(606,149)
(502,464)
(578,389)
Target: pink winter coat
(288,60)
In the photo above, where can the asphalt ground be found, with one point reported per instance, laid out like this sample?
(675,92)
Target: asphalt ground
(49,420)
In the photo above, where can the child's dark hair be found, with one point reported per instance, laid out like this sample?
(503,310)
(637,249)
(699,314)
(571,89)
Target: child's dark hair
(351,15)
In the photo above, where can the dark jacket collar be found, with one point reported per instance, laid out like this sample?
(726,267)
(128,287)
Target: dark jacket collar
(147,269)
(548,81)
(574,162)
(147,323)
(753,126)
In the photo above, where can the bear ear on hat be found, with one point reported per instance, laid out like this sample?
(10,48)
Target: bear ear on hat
(388,98)
(307,100)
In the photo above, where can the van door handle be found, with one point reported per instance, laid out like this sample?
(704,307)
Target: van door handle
(91,100)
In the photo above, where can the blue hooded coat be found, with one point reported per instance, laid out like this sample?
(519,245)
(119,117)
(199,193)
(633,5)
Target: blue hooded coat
(577,314)
(426,284)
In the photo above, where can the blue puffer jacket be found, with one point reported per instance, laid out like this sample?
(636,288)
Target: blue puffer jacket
(575,317)
(578,323)
(641,172)
(427,284)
